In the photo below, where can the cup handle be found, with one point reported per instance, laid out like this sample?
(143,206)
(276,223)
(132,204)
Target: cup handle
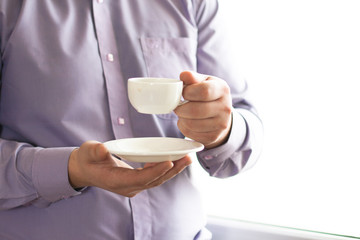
(182,102)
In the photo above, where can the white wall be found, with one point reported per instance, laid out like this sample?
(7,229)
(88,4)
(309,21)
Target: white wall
(302,62)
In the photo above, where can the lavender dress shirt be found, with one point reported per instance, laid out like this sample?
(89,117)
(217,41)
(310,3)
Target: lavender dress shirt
(64,67)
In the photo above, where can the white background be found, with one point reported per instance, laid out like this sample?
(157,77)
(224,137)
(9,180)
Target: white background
(302,62)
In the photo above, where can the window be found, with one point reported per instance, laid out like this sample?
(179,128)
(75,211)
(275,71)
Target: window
(302,62)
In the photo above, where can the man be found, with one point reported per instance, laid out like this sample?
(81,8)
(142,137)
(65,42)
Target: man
(64,69)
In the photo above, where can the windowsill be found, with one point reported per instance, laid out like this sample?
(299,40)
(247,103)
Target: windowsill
(226,229)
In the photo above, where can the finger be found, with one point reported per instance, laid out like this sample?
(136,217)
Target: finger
(150,164)
(82,160)
(179,166)
(133,188)
(133,194)
(209,90)
(201,87)
(203,125)
(206,138)
(144,176)
(97,152)
(203,110)
(100,151)
(190,77)
(183,162)
(124,181)
(120,163)
(94,151)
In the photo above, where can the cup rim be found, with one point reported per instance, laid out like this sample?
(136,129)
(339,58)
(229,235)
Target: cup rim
(160,80)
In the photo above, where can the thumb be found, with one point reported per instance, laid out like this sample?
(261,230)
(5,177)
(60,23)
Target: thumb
(190,77)
(101,151)
(93,150)
(88,152)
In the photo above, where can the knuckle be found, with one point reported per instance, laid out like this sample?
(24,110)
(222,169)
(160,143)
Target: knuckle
(212,137)
(205,92)
(226,89)
(226,108)
(223,125)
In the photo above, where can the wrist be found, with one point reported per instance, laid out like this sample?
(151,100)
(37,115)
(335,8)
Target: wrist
(73,170)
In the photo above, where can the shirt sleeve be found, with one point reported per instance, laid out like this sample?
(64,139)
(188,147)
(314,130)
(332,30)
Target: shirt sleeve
(33,175)
(215,57)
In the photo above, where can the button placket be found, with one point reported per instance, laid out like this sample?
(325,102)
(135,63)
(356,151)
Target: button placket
(115,87)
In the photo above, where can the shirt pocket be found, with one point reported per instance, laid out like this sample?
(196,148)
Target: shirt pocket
(168,57)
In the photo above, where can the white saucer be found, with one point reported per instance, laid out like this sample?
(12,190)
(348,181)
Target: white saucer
(152,149)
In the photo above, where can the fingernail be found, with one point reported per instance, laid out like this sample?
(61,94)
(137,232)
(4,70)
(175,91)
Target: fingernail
(168,164)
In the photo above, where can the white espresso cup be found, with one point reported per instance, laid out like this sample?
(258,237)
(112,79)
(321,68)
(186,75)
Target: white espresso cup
(155,95)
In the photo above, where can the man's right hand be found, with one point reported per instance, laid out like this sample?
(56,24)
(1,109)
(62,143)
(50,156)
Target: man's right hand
(93,165)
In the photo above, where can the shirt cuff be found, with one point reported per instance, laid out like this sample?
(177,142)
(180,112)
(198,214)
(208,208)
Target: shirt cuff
(212,158)
(50,172)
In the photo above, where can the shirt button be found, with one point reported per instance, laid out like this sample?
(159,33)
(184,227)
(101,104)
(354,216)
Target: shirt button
(110,57)
(100,1)
(208,157)
(121,121)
